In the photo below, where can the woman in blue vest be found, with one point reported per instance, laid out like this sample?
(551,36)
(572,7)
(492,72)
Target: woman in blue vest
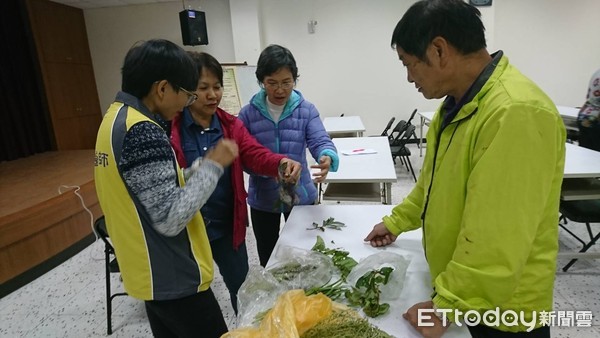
(282,120)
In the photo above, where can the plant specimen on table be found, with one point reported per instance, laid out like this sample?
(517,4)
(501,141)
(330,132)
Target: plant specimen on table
(332,290)
(329,223)
(340,258)
(365,293)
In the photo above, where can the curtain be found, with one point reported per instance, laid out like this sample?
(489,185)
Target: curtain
(24,120)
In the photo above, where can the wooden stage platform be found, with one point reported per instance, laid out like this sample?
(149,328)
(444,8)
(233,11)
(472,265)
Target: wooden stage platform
(40,228)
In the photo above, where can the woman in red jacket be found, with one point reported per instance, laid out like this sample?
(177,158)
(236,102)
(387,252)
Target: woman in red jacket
(194,132)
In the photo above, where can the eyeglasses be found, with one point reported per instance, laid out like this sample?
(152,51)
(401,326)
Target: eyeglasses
(277,85)
(191,97)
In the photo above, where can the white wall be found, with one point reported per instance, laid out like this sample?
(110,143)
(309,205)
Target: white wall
(245,30)
(553,42)
(113,30)
(348,66)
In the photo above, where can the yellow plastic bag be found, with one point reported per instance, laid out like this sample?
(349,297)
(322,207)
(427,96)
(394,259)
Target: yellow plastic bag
(293,314)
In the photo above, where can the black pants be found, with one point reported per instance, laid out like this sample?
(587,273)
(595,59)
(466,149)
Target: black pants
(198,315)
(233,265)
(589,137)
(266,231)
(482,331)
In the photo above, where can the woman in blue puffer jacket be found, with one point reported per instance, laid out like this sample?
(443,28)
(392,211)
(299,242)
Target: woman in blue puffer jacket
(281,120)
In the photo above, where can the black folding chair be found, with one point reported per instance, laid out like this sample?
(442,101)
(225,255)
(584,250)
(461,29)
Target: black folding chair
(388,126)
(412,116)
(413,135)
(397,132)
(111,265)
(583,211)
(402,152)
(400,128)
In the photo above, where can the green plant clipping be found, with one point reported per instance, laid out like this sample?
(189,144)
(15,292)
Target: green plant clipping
(365,293)
(340,258)
(333,290)
(290,271)
(329,223)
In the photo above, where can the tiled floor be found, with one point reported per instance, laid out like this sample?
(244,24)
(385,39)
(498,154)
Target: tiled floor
(69,300)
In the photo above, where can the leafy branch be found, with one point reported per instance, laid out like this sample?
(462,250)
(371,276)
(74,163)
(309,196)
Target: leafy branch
(332,290)
(340,258)
(330,223)
(291,270)
(366,292)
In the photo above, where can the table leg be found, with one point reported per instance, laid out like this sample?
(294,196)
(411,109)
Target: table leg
(421,137)
(387,193)
(319,190)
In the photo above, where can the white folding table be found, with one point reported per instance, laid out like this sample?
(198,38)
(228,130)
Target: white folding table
(359,220)
(582,168)
(581,162)
(426,118)
(567,112)
(364,177)
(569,117)
(344,126)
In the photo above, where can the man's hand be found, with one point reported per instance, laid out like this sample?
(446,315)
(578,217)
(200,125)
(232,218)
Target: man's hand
(380,236)
(436,330)
(323,165)
(292,171)
(224,152)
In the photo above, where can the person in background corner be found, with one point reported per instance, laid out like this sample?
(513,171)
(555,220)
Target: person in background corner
(589,116)
(194,132)
(283,121)
(152,215)
(488,195)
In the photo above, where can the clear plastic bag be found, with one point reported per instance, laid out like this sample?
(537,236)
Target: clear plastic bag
(294,269)
(300,269)
(393,288)
(257,294)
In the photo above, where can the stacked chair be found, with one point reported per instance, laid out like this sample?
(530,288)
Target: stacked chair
(387,127)
(398,138)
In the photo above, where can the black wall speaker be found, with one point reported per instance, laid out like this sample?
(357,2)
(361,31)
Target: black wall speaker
(193,28)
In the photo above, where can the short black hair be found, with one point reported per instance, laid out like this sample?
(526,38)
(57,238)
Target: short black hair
(454,20)
(157,60)
(205,60)
(273,58)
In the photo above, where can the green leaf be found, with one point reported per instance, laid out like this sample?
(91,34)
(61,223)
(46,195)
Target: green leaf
(319,245)
(366,292)
(328,223)
(340,258)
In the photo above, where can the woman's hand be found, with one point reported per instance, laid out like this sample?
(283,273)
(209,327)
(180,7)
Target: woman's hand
(323,165)
(291,171)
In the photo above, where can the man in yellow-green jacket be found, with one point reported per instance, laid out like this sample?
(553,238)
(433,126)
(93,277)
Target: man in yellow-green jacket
(488,194)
